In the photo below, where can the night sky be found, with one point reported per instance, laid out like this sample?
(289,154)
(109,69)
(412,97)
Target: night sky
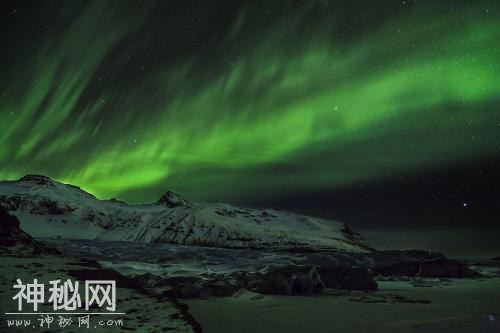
(383,114)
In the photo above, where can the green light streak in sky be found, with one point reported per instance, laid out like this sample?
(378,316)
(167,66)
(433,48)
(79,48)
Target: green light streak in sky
(282,113)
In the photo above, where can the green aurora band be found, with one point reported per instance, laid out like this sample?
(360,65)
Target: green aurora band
(258,109)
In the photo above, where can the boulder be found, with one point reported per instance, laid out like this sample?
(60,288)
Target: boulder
(358,279)
(355,278)
(217,288)
(289,280)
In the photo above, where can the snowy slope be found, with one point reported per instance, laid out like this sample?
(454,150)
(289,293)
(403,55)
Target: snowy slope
(47,208)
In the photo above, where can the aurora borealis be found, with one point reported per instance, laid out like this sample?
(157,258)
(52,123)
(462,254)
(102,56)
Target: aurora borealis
(224,100)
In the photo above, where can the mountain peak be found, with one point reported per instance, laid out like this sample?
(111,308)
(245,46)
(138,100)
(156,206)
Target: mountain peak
(171,199)
(37,179)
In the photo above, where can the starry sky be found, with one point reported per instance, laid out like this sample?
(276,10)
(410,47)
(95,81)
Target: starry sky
(380,113)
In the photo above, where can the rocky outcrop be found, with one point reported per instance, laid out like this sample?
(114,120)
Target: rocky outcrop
(14,241)
(355,278)
(419,263)
(38,180)
(192,286)
(307,279)
(171,199)
(195,271)
(287,280)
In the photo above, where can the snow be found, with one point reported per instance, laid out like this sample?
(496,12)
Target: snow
(47,208)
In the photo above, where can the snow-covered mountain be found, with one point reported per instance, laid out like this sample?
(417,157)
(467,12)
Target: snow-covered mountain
(47,208)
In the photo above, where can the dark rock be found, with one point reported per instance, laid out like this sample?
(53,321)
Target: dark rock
(172,292)
(321,260)
(289,280)
(402,299)
(171,199)
(225,212)
(351,234)
(358,279)
(183,287)
(347,278)
(390,257)
(420,263)
(115,200)
(147,280)
(209,288)
(265,213)
(9,223)
(35,205)
(180,280)
(189,290)
(10,203)
(332,276)
(38,180)
(342,271)
(107,274)
(216,288)
(46,206)
(14,241)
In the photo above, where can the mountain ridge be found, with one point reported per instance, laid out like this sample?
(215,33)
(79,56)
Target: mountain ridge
(48,208)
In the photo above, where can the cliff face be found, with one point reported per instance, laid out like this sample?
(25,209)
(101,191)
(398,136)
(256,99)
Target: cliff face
(14,241)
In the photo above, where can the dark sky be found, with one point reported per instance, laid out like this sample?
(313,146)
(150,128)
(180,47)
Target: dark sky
(383,114)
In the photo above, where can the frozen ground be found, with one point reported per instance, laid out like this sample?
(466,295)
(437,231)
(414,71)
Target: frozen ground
(467,305)
(401,303)
(143,312)
(25,259)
